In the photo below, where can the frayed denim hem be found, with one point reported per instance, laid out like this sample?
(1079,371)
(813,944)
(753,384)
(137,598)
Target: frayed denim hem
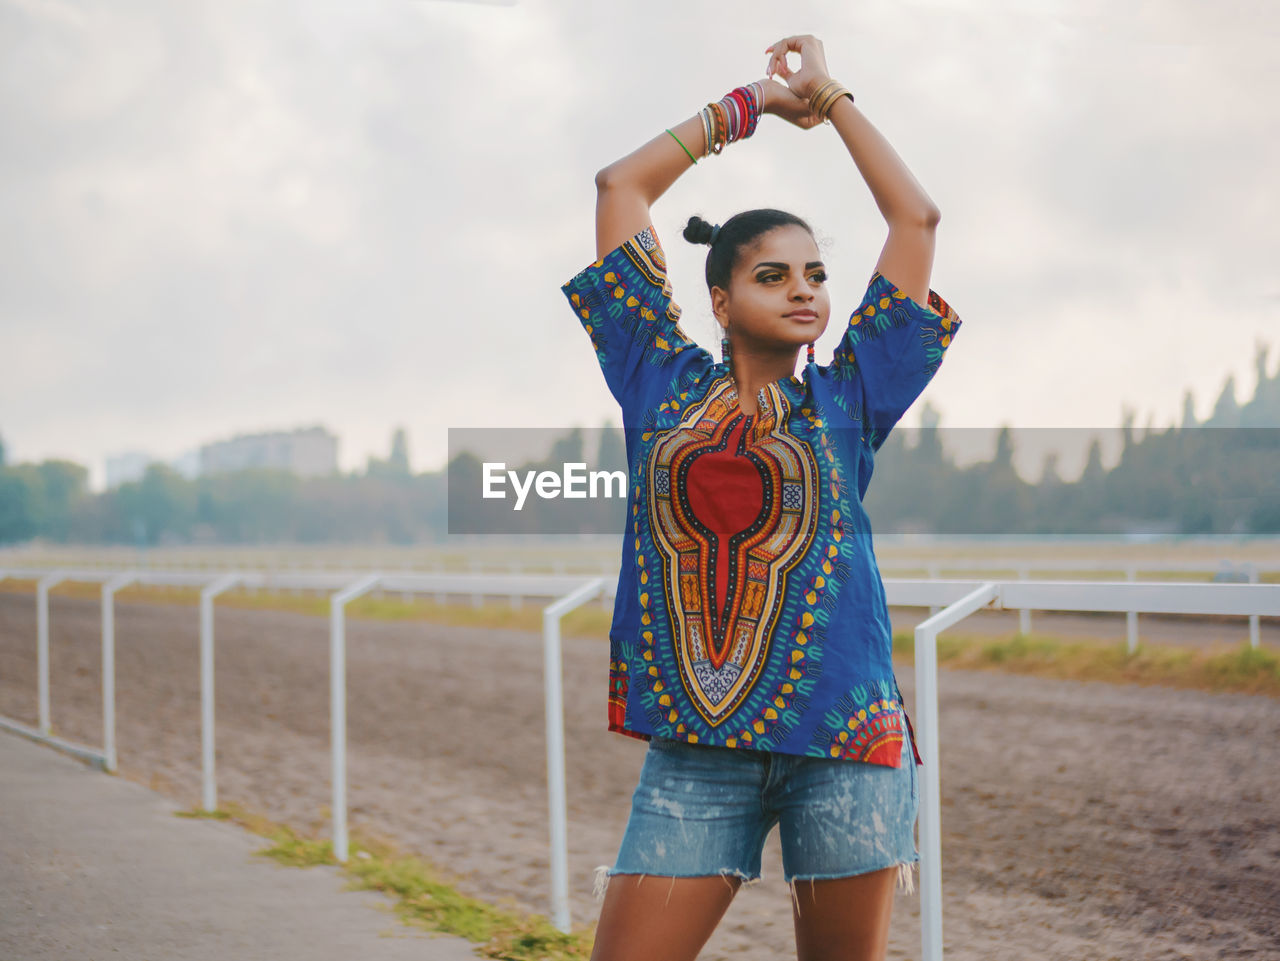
(906,880)
(603,873)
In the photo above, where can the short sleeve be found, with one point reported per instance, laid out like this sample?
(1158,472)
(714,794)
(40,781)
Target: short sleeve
(889,353)
(623,301)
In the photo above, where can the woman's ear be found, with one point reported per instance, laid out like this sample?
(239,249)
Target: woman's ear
(720,306)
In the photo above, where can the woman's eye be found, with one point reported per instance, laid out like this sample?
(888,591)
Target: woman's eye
(820,277)
(768,278)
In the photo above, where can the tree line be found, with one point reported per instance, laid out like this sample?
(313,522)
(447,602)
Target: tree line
(1218,476)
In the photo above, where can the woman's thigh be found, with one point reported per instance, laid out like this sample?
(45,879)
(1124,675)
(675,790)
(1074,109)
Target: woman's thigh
(844,919)
(848,832)
(694,835)
(646,917)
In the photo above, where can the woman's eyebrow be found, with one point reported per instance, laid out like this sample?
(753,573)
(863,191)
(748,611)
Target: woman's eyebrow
(781,266)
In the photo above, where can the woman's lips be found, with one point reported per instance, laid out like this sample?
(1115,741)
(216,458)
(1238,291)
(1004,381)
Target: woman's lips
(801,315)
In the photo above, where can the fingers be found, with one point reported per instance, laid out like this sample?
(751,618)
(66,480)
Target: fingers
(778,57)
(790,44)
(777,61)
(778,52)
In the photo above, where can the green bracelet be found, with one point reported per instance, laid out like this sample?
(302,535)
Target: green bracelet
(683,147)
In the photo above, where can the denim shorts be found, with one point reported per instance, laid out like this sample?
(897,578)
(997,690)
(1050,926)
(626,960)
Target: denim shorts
(700,810)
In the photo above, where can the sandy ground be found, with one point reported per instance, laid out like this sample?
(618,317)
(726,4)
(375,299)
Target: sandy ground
(1080,821)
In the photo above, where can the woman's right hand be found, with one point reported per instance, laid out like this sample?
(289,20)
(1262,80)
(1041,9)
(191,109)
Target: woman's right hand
(780,101)
(813,64)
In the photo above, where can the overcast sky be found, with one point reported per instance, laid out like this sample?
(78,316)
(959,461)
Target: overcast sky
(223,217)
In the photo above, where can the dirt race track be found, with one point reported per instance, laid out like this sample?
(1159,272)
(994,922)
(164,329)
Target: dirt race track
(1081,821)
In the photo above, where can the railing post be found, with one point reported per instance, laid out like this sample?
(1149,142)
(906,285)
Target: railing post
(1024,614)
(208,762)
(42,647)
(1131,618)
(338,704)
(1255,627)
(556,795)
(930,820)
(109,589)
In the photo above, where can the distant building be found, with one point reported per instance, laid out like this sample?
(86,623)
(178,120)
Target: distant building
(127,467)
(308,453)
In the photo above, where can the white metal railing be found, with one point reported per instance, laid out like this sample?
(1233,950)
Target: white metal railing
(963,598)
(208,752)
(207,562)
(930,817)
(272,563)
(1224,569)
(952,599)
(338,704)
(556,794)
(569,592)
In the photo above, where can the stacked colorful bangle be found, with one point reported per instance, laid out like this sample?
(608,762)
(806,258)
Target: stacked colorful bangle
(824,98)
(735,117)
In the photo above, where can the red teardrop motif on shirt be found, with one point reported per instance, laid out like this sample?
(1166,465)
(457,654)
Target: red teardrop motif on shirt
(725,492)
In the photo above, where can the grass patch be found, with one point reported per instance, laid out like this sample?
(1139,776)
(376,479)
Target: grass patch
(218,815)
(1242,669)
(423,896)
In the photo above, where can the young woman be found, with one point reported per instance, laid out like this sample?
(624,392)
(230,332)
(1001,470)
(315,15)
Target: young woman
(751,643)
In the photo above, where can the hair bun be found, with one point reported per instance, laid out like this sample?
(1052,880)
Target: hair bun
(698,231)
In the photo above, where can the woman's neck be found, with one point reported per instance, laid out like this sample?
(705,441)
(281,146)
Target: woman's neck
(753,370)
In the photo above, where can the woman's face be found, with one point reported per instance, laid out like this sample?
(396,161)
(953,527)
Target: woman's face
(777,297)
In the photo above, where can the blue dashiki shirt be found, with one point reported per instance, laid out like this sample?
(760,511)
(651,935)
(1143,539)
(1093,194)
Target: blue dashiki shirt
(750,612)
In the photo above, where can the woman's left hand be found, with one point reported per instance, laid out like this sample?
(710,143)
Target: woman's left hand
(781,102)
(813,64)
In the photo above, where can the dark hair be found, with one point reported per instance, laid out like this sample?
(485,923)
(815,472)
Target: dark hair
(739,231)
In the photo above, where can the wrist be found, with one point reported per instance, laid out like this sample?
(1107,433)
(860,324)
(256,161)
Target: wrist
(734,117)
(825,95)
(770,95)
(810,87)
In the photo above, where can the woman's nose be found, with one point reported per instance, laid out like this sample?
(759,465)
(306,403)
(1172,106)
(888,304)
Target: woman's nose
(801,291)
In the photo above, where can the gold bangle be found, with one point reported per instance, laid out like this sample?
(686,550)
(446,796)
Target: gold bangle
(817,95)
(829,98)
(836,96)
(825,97)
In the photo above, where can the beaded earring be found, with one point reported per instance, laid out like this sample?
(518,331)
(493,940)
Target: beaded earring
(809,359)
(724,349)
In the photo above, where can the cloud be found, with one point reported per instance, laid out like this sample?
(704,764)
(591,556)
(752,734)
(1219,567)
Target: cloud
(230,216)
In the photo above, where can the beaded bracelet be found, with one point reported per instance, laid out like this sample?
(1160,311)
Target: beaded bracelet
(734,117)
(719,127)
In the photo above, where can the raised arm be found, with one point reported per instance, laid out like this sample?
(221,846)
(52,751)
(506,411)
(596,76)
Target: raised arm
(907,257)
(627,188)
